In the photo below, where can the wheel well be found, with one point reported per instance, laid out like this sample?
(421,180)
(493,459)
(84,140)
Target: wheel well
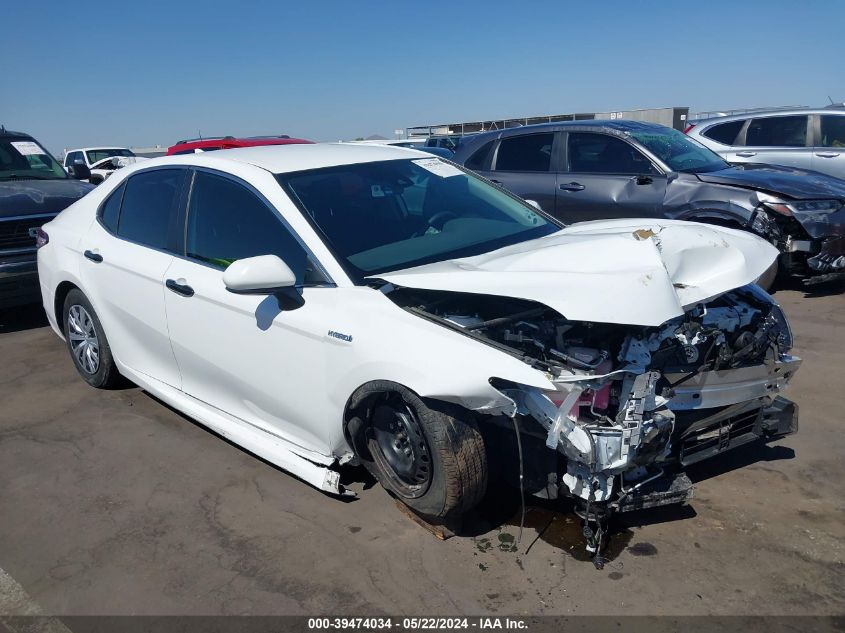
(58,304)
(729,223)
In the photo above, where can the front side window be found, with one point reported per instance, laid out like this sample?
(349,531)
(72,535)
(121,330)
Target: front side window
(777,131)
(529,152)
(590,153)
(832,130)
(24,159)
(227,222)
(724,133)
(394,214)
(679,152)
(149,207)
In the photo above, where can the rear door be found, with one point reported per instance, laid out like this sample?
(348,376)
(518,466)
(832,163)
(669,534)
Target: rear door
(776,140)
(607,177)
(125,255)
(523,164)
(829,149)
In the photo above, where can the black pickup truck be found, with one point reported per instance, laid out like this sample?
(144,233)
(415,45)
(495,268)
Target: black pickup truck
(34,188)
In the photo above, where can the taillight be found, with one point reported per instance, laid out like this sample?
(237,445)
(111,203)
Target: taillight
(688,128)
(41,238)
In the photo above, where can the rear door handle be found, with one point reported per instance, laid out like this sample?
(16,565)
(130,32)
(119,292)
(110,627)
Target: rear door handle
(180,289)
(746,154)
(571,186)
(94,257)
(827,154)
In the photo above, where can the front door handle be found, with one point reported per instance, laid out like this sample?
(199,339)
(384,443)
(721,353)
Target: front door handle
(827,154)
(94,257)
(746,154)
(498,182)
(180,289)
(571,186)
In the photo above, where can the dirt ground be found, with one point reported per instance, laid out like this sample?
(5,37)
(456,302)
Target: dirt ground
(112,503)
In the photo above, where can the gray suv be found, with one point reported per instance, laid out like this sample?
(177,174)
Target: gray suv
(591,170)
(803,138)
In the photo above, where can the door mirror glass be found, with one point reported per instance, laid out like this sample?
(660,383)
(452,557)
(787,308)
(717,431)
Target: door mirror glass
(262,274)
(80,170)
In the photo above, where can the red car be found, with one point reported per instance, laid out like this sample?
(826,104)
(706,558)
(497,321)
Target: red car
(209,144)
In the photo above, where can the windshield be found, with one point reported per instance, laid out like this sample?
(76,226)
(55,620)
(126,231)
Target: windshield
(389,215)
(679,151)
(24,159)
(95,155)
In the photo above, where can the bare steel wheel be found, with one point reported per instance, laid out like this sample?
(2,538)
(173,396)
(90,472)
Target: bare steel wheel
(402,452)
(87,343)
(82,338)
(429,454)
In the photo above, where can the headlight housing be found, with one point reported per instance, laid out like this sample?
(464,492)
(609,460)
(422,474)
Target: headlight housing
(798,207)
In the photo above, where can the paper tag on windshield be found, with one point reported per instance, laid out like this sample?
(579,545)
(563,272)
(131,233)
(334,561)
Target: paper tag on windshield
(438,167)
(28,148)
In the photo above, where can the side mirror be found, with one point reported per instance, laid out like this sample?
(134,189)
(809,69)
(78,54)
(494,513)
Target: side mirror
(80,170)
(261,275)
(534,204)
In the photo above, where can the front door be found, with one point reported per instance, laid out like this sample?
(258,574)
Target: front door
(605,177)
(256,357)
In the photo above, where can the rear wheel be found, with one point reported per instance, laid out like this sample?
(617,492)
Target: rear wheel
(87,342)
(430,457)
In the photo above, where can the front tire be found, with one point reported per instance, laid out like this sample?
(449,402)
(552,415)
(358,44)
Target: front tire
(428,455)
(86,341)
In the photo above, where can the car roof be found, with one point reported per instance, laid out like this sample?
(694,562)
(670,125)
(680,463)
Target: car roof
(279,159)
(753,114)
(95,148)
(4,133)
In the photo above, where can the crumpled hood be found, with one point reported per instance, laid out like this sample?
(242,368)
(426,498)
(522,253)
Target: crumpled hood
(122,161)
(30,197)
(799,184)
(635,272)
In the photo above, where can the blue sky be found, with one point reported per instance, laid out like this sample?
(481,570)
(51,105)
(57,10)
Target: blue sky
(140,73)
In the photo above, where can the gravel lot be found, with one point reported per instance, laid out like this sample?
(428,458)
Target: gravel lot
(112,503)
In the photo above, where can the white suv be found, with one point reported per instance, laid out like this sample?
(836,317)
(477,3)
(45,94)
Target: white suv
(804,138)
(100,161)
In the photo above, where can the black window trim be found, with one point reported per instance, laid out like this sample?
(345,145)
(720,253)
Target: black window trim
(183,222)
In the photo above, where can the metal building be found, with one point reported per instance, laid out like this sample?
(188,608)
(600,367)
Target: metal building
(671,117)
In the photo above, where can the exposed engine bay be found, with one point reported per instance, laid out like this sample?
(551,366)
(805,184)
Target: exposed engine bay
(633,405)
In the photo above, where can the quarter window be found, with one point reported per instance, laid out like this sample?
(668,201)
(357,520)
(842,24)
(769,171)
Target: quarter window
(590,153)
(777,131)
(724,133)
(148,209)
(110,211)
(832,131)
(227,222)
(528,152)
(479,159)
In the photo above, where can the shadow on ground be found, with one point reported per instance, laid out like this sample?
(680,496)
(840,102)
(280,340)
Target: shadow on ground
(22,318)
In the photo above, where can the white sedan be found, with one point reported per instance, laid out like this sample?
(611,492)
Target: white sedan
(329,304)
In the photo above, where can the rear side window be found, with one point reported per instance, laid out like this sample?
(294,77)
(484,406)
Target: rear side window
(110,210)
(479,159)
(590,153)
(777,131)
(832,131)
(724,133)
(226,222)
(529,152)
(149,207)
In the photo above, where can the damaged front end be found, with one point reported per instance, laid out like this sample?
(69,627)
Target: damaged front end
(633,405)
(810,234)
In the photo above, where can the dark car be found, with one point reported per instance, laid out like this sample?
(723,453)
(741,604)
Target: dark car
(589,170)
(34,188)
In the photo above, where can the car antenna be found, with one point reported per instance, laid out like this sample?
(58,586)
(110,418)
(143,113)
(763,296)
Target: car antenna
(831,100)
